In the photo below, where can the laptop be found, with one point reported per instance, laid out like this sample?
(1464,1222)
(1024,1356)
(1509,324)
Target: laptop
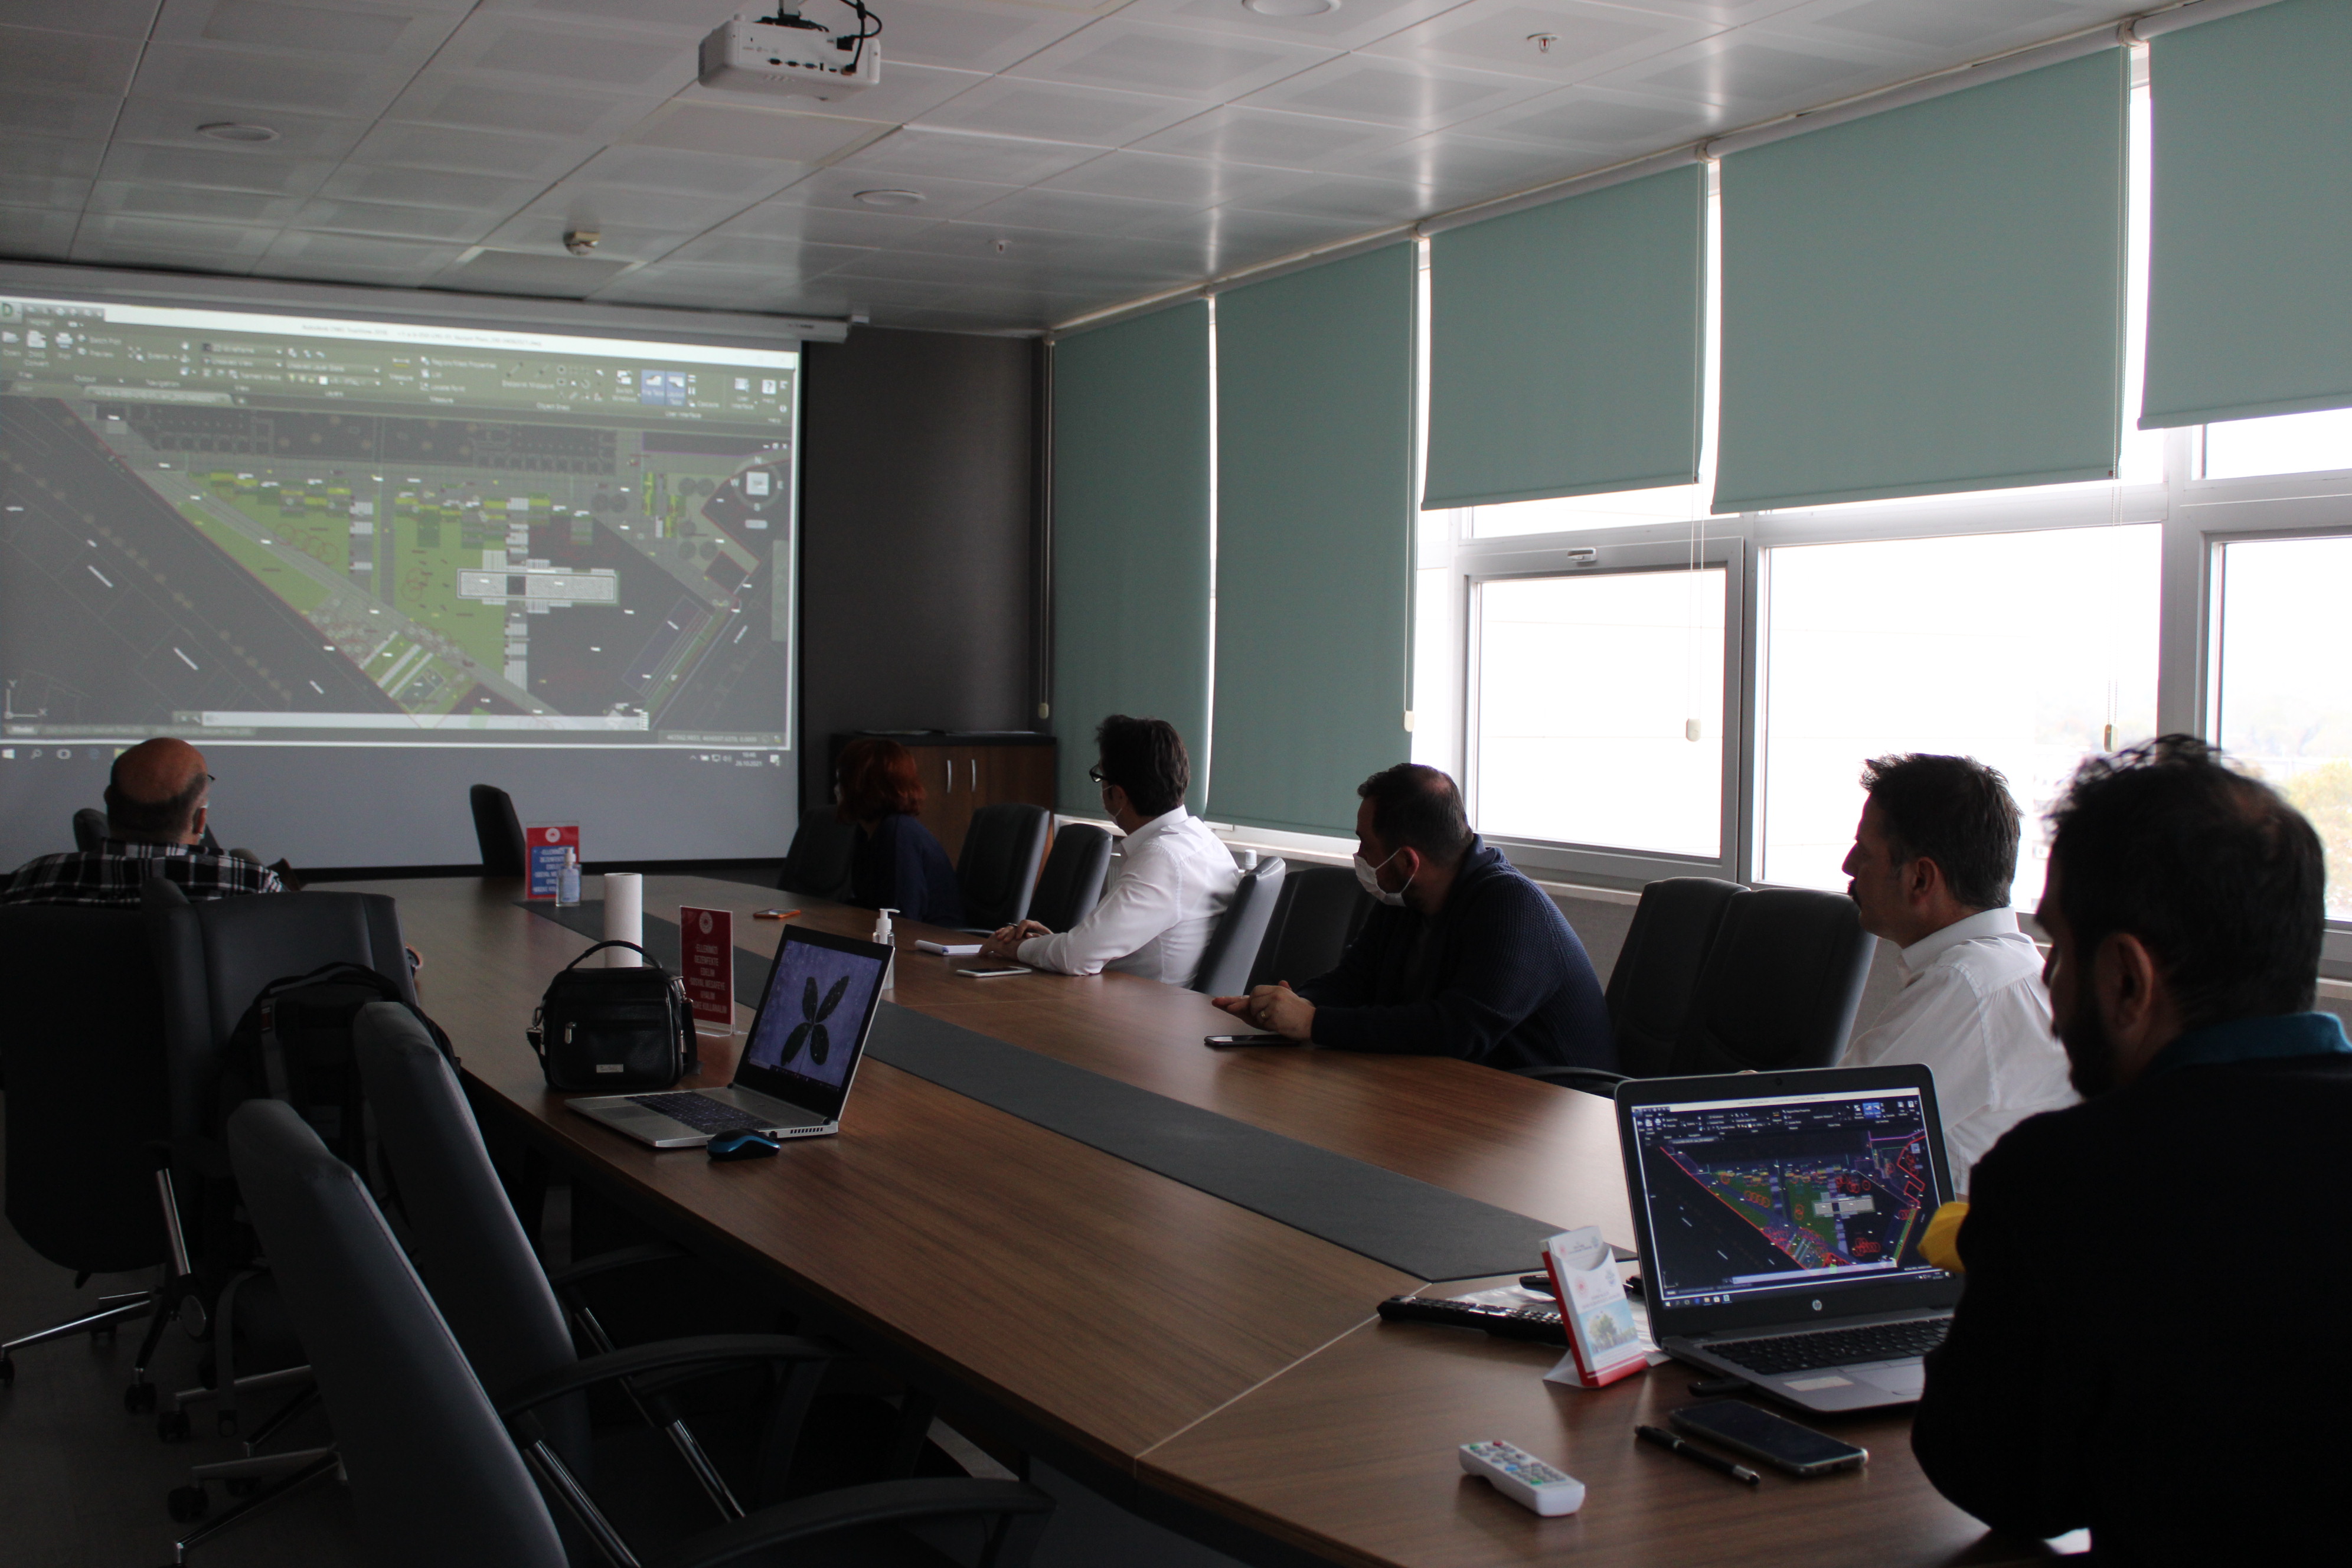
(1779,1217)
(798,1060)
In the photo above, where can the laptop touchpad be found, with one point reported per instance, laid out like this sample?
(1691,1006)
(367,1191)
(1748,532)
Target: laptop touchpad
(1904,1379)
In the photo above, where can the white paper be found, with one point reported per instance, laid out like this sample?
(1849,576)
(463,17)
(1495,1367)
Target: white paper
(625,917)
(952,948)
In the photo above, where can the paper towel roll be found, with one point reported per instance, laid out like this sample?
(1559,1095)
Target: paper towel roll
(625,917)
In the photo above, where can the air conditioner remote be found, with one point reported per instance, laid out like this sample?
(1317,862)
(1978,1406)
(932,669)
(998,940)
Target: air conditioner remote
(1524,1478)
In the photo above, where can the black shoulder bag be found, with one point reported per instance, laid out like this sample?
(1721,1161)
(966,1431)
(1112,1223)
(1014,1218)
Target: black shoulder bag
(614,1028)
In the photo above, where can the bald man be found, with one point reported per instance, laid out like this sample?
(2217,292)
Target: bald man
(155,809)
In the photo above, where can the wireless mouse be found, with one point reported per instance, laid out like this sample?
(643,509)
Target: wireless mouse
(743,1145)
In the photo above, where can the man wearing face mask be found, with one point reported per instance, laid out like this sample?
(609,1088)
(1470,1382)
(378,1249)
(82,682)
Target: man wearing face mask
(2143,1268)
(1464,958)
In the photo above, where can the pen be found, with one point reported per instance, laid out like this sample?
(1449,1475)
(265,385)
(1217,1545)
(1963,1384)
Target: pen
(1667,1440)
(774,914)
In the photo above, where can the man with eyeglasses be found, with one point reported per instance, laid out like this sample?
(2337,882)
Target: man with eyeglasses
(156,803)
(1173,879)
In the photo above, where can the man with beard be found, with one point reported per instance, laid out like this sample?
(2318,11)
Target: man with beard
(2151,1334)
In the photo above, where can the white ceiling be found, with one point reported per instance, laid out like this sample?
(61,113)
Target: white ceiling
(1069,157)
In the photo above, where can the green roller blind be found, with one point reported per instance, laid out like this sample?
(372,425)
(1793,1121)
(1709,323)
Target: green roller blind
(1130,535)
(2251,217)
(1314,540)
(1929,299)
(1564,346)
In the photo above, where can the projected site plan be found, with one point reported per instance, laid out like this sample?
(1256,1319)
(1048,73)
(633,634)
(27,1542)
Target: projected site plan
(288,528)
(1768,1193)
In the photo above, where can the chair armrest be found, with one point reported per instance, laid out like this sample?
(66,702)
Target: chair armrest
(1592,1080)
(880,1502)
(606,1262)
(638,1362)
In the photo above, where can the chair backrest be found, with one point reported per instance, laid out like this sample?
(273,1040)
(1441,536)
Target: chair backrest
(498,830)
(213,956)
(998,868)
(82,1052)
(818,862)
(1232,949)
(434,1476)
(1072,882)
(464,1236)
(1318,913)
(89,829)
(1780,984)
(1655,985)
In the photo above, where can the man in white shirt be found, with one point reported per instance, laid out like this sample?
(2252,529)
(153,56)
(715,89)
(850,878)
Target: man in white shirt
(1931,864)
(1174,876)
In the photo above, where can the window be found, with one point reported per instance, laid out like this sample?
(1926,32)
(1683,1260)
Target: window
(2288,444)
(2026,650)
(2282,694)
(1599,709)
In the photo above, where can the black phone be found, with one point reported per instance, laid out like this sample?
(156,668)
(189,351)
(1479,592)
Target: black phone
(1225,1042)
(1778,1441)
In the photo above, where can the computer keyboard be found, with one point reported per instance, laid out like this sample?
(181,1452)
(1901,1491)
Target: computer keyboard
(1831,1347)
(697,1112)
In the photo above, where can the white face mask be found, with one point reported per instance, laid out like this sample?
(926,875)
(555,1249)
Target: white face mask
(1367,876)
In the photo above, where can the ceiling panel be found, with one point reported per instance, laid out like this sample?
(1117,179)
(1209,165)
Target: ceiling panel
(1263,136)
(587,203)
(36,234)
(214,166)
(840,188)
(1174,62)
(431,187)
(1456,169)
(173,121)
(541,158)
(1581,119)
(144,241)
(541,52)
(471,100)
(1078,212)
(963,155)
(735,131)
(1058,111)
(250,78)
(1937,26)
(1190,184)
(861,227)
(905,92)
(68,62)
(767,253)
(1366,202)
(1557,41)
(515,272)
(79,116)
(1759,72)
(195,206)
(460,224)
(101,18)
(367,259)
(970,35)
(1350,25)
(691,19)
(57,193)
(1418,94)
(46,156)
(542,234)
(385,34)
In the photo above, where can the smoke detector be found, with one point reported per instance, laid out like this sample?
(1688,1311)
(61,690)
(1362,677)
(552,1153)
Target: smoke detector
(580,241)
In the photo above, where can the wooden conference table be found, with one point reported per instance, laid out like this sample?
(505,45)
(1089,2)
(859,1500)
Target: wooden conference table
(1208,1367)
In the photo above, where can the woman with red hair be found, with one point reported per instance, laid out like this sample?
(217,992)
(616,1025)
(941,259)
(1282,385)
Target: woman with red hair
(898,865)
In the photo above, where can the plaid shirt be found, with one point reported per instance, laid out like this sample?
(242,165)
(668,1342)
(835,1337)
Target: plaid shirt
(114,874)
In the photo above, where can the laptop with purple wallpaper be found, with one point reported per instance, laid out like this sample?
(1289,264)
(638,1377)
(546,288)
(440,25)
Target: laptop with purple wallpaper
(799,1058)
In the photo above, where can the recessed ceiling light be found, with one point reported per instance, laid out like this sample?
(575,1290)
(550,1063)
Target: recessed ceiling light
(1291,7)
(889,198)
(236,130)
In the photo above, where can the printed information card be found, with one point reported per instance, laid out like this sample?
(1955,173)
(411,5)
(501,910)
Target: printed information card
(706,953)
(545,848)
(1604,1343)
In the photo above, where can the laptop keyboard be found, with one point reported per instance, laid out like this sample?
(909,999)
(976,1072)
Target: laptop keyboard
(1782,1353)
(698,1111)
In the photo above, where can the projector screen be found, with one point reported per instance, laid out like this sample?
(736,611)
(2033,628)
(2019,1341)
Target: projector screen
(363,564)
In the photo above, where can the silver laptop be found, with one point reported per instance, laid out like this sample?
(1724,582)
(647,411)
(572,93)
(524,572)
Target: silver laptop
(798,1062)
(1780,1215)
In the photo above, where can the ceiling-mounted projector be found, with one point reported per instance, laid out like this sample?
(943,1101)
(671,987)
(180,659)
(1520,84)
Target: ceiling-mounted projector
(791,54)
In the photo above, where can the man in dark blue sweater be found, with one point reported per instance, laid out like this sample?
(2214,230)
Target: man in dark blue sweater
(1464,958)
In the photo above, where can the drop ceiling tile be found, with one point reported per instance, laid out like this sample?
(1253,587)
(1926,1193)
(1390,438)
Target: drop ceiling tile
(970,35)
(1419,95)
(515,272)
(1235,134)
(786,298)
(693,18)
(57,192)
(79,116)
(1173,63)
(193,203)
(44,236)
(1145,259)
(964,322)
(697,287)
(367,253)
(1579,120)
(1060,111)
(1942,32)
(1364,202)
(542,158)
(755,254)
(1722,12)
(916,270)
(66,62)
(1229,237)
(962,155)
(702,174)
(828,225)
(838,188)
(100,18)
(430,187)
(905,92)
(1454,168)
(250,80)
(583,55)
(587,204)
(1350,25)
(490,102)
(1557,41)
(346,273)
(1076,212)
(459,224)
(208,246)
(747,132)
(1754,72)
(172,122)
(1190,184)
(386,33)
(46,156)
(217,166)
(543,233)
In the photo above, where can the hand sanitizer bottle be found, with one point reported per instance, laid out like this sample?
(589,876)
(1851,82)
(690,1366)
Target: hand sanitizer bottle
(882,936)
(567,882)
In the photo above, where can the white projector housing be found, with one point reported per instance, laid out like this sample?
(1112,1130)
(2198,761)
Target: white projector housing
(742,55)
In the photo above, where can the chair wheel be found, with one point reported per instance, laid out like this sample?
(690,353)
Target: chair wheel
(172,1426)
(139,1399)
(188,1504)
(242,1486)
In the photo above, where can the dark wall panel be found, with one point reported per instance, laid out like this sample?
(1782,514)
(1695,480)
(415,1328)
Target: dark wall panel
(919,528)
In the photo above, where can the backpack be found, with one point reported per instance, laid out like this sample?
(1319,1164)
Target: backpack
(294,1044)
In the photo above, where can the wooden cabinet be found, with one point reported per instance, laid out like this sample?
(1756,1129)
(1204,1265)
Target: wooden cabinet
(962,771)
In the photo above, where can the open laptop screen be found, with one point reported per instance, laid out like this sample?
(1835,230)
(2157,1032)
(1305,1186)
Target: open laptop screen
(803,1047)
(1749,1198)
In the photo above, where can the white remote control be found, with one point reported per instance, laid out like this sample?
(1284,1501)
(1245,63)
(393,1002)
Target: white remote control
(1524,1478)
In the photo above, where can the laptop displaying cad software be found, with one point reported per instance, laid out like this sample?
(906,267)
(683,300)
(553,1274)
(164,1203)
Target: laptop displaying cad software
(1781,1216)
(799,1059)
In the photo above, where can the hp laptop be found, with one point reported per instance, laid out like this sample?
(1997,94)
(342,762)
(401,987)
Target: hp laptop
(1780,1215)
(798,1059)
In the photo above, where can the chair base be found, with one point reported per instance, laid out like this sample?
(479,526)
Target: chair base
(112,1311)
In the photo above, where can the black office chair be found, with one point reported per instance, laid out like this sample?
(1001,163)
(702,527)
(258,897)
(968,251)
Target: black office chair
(498,830)
(1654,987)
(1232,949)
(1783,978)
(1072,882)
(998,869)
(439,1474)
(818,862)
(88,829)
(1317,915)
(86,1110)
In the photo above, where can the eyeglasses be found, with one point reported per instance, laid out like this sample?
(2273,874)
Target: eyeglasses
(1096,774)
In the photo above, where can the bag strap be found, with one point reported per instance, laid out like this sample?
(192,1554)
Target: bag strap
(600,946)
(341,970)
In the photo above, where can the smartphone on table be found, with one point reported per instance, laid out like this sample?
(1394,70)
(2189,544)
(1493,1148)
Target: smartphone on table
(988,969)
(1757,1433)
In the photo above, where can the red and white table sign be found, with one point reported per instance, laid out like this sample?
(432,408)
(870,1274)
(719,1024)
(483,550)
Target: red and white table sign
(706,955)
(545,848)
